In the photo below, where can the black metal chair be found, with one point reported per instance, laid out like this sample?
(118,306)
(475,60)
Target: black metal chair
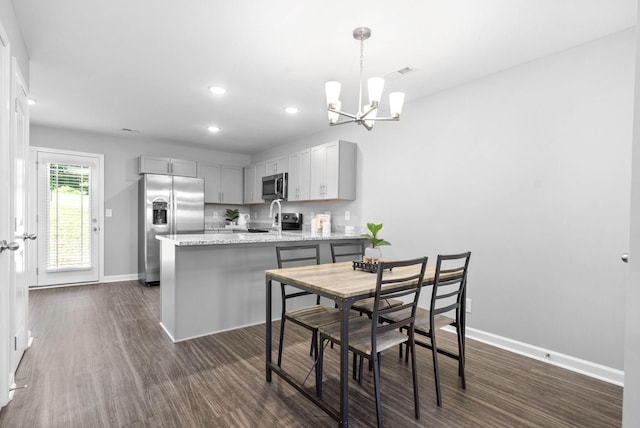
(348,251)
(310,317)
(447,298)
(369,337)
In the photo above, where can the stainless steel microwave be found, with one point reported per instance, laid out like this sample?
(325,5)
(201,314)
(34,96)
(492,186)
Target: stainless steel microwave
(275,186)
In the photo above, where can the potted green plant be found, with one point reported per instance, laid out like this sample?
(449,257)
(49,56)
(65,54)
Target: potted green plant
(373,253)
(231,214)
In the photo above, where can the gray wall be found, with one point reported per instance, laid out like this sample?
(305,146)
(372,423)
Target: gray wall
(530,170)
(121,181)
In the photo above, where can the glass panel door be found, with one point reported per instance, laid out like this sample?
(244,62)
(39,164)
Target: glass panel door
(67,219)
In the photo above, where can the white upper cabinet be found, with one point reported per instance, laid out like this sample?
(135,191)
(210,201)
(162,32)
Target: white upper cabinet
(222,183)
(253,183)
(249,183)
(333,171)
(231,186)
(158,165)
(299,170)
(276,166)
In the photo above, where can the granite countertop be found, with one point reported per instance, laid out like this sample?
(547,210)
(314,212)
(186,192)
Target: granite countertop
(181,240)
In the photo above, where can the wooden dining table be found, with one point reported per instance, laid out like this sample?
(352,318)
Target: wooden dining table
(344,285)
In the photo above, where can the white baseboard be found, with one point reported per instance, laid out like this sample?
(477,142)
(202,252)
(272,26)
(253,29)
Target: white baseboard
(568,362)
(118,278)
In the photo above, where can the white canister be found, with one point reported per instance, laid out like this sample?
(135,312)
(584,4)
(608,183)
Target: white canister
(326,228)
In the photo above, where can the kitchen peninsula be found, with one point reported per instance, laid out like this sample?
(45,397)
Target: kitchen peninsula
(215,282)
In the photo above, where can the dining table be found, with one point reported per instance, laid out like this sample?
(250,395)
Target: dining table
(343,284)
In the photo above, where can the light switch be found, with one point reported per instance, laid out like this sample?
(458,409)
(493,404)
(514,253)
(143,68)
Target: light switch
(347,215)
(108,212)
(215,214)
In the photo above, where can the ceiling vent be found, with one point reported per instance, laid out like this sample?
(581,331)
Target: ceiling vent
(394,75)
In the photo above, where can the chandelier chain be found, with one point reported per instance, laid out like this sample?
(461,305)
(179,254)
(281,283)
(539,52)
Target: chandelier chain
(359,106)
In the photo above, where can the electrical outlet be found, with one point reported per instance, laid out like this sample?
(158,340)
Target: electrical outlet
(468,306)
(347,215)
(215,214)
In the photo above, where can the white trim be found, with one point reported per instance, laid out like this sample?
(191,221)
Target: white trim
(167,331)
(568,362)
(207,334)
(118,278)
(72,284)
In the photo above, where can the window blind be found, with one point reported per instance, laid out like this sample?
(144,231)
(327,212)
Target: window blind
(69,217)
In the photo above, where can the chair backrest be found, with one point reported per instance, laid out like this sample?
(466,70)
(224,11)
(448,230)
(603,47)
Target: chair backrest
(399,279)
(297,255)
(346,251)
(449,284)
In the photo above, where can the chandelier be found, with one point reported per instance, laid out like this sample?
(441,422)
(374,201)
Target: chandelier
(367,116)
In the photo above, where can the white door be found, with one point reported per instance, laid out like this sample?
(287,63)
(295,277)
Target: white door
(69,221)
(231,184)
(318,169)
(630,409)
(6,231)
(18,284)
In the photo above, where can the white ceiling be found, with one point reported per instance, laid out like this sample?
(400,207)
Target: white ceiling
(146,64)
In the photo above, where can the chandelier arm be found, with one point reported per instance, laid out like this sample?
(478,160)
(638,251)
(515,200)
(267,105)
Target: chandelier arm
(342,123)
(367,112)
(342,113)
(363,123)
(386,119)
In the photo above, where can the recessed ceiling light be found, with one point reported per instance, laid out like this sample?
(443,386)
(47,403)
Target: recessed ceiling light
(291,110)
(213,129)
(32,101)
(217,90)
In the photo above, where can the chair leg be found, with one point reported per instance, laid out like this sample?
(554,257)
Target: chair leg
(319,364)
(314,340)
(354,370)
(281,340)
(436,372)
(314,344)
(461,356)
(376,386)
(360,371)
(416,399)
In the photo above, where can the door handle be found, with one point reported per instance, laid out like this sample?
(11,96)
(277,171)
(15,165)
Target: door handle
(11,246)
(31,236)
(625,257)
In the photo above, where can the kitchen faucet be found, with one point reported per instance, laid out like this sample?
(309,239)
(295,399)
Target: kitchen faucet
(277,224)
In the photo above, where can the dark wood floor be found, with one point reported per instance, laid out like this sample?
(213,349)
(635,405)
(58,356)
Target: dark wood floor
(100,359)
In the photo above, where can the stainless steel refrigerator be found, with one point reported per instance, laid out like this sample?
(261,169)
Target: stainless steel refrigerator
(167,205)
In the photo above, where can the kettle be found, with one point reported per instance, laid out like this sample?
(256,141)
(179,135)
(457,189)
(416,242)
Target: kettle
(243,219)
